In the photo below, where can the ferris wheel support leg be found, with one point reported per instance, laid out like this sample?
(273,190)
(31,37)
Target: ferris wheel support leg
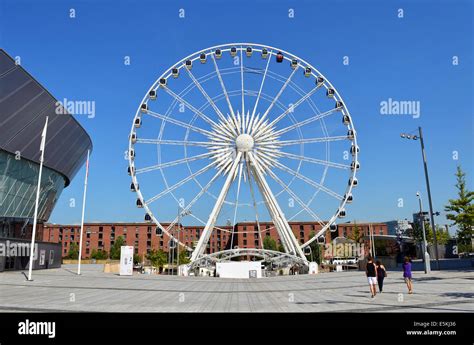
(276,213)
(206,234)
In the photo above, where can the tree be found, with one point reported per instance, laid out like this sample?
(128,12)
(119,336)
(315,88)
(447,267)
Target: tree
(442,235)
(315,250)
(158,258)
(99,254)
(116,248)
(281,248)
(462,212)
(269,243)
(356,234)
(183,257)
(136,259)
(73,251)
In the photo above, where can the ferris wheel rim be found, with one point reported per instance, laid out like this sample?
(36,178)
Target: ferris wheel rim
(208,51)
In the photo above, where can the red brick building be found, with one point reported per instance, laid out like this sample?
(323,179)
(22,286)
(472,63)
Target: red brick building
(365,229)
(143,236)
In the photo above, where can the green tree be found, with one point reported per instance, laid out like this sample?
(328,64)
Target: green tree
(136,259)
(184,257)
(269,243)
(356,234)
(158,258)
(116,248)
(417,232)
(281,248)
(315,250)
(442,235)
(461,212)
(99,254)
(73,251)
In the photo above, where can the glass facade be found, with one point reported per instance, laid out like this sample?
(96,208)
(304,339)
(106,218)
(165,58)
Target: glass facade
(18,184)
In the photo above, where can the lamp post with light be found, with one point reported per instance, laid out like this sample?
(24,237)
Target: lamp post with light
(425,165)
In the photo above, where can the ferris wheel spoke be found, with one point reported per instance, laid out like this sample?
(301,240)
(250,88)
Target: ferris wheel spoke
(205,94)
(196,198)
(204,239)
(242,80)
(179,123)
(179,184)
(309,181)
(261,86)
(294,106)
(219,76)
(181,142)
(254,201)
(281,224)
(239,181)
(310,140)
(294,196)
(285,84)
(312,119)
(314,160)
(173,163)
(190,106)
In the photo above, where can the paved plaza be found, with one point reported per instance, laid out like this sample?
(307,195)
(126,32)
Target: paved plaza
(62,290)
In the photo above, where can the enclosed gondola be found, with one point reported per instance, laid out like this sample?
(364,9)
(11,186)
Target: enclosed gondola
(138,122)
(175,72)
(294,63)
(188,64)
(319,81)
(346,120)
(341,213)
(248,51)
(355,166)
(279,57)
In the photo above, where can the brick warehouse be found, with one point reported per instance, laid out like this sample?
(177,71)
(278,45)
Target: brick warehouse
(144,238)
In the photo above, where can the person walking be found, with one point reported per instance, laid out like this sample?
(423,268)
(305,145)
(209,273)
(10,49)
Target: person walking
(407,274)
(371,274)
(381,274)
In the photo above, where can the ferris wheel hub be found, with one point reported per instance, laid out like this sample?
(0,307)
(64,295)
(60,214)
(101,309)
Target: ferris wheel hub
(244,143)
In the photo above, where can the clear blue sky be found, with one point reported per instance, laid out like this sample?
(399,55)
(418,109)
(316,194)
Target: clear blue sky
(409,58)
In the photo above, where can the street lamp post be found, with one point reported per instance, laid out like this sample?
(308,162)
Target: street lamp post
(425,166)
(425,243)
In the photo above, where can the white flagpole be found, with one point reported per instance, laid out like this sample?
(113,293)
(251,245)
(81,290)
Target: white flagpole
(35,220)
(83,211)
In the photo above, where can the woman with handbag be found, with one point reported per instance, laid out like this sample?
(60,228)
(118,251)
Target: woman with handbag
(381,274)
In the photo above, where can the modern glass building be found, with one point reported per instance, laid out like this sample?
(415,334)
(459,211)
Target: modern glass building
(24,105)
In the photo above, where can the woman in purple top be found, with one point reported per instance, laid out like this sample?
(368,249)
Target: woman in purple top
(407,274)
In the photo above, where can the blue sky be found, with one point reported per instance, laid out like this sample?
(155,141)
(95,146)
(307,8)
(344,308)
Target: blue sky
(409,58)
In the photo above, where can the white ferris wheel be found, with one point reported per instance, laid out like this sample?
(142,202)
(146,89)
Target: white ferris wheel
(243,132)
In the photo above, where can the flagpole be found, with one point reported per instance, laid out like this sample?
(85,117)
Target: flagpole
(35,219)
(83,211)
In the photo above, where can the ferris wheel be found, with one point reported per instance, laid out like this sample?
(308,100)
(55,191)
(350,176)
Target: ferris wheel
(243,132)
